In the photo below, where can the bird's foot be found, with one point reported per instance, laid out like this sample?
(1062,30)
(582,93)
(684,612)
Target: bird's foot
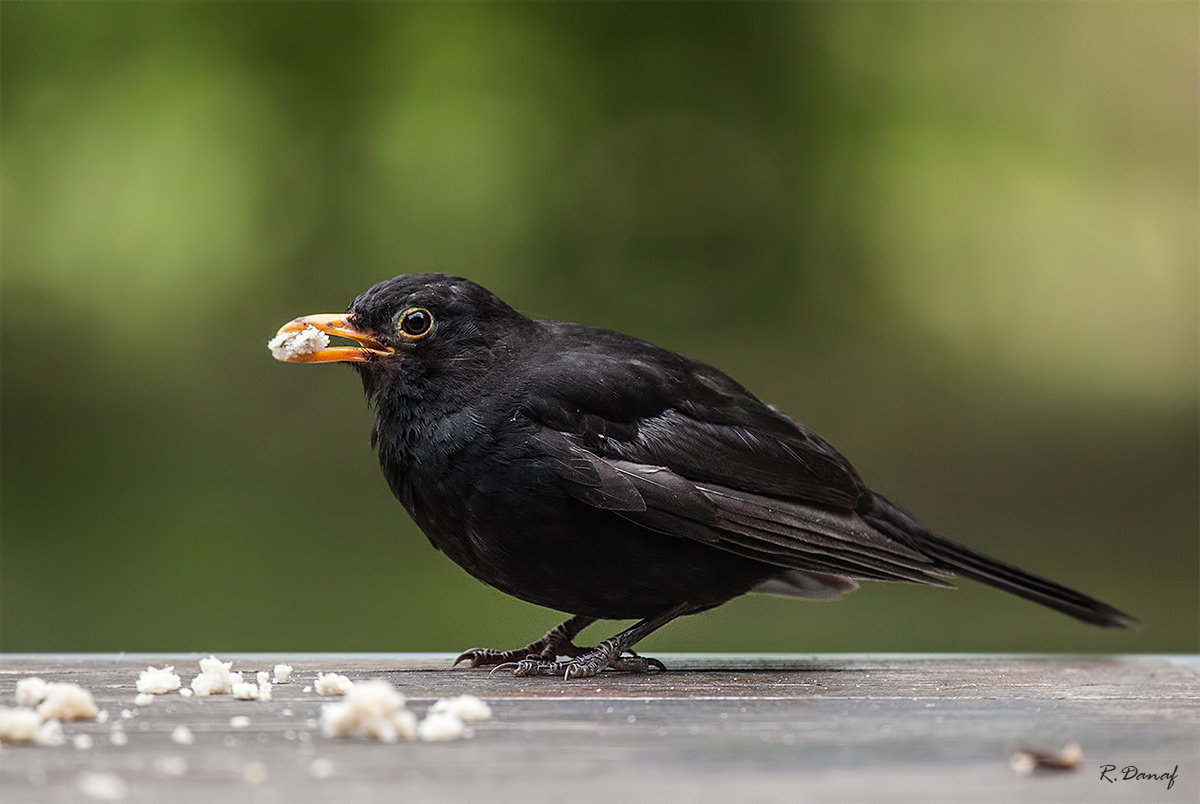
(557,642)
(604,656)
(486,657)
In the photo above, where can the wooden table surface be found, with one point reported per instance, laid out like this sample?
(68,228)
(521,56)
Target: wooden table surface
(728,728)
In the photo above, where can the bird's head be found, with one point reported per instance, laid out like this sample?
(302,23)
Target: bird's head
(415,327)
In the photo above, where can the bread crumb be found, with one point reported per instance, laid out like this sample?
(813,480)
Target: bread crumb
(264,690)
(244,691)
(183,735)
(254,773)
(372,709)
(143,699)
(320,768)
(126,714)
(287,345)
(171,766)
(157,682)
(333,684)
(283,673)
(67,701)
(82,742)
(262,677)
(187,692)
(30,691)
(102,786)
(19,724)
(308,689)
(102,716)
(118,736)
(467,708)
(50,733)
(441,727)
(215,677)
(239,721)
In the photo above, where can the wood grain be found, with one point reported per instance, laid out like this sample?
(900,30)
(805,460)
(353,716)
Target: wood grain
(729,728)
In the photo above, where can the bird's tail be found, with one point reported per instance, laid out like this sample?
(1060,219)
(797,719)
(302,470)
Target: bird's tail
(977,566)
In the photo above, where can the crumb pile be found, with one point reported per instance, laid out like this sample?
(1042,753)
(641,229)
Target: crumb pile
(218,678)
(24,725)
(41,709)
(375,709)
(371,709)
(287,345)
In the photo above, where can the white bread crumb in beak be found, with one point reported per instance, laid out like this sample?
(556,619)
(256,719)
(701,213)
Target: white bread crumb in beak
(287,345)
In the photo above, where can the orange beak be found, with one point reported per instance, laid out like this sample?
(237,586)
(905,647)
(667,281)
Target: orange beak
(294,344)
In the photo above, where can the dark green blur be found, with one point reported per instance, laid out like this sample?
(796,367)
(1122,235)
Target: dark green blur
(958,240)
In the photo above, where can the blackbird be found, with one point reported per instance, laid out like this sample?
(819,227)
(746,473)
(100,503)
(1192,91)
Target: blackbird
(601,475)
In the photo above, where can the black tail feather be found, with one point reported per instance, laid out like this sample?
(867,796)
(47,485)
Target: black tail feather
(980,567)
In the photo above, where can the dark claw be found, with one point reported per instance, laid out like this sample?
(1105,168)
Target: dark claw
(470,653)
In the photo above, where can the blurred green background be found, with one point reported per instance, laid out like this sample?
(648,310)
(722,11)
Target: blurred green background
(958,240)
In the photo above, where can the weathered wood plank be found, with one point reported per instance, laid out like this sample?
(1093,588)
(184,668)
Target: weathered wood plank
(715,728)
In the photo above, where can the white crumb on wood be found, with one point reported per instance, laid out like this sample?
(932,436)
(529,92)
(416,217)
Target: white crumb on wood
(332,684)
(467,708)
(102,786)
(254,774)
(50,733)
(30,691)
(373,709)
(171,766)
(440,727)
(82,742)
(143,699)
(244,691)
(19,724)
(215,677)
(158,681)
(239,721)
(67,701)
(287,345)
(182,735)
(283,673)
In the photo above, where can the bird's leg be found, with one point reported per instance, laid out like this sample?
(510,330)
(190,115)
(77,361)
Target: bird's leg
(609,654)
(556,642)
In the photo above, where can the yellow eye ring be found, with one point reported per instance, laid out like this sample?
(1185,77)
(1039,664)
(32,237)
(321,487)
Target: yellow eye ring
(415,323)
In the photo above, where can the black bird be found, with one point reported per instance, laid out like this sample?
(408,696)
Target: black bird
(601,475)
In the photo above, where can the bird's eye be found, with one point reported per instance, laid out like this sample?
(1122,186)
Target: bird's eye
(416,323)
